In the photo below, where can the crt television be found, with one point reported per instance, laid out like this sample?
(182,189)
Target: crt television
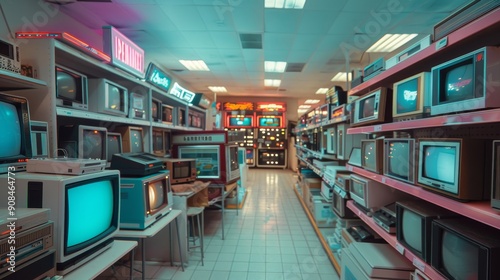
(372,154)
(196,119)
(159,142)
(182,170)
(452,167)
(15,142)
(495,182)
(399,159)
(413,225)
(71,88)
(81,141)
(465,249)
(269,121)
(114,145)
(168,114)
(85,210)
(108,97)
(138,106)
(411,97)
(156,110)
(373,107)
(239,121)
(132,139)
(144,200)
(466,83)
(371,195)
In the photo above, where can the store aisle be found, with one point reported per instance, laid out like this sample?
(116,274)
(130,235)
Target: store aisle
(271,238)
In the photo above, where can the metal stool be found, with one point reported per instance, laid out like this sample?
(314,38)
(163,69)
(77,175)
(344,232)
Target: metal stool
(196,212)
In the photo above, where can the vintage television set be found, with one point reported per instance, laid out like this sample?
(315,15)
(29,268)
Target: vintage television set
(181,116)
(372,108)
(159,143)
(138,106)
(370,195)
(269,121)
(197,119)
(114,145)
(372,155)
(15,144)
(413,225)
(39,139)
(108,97)
(465,249)
(82,141)
(346,142)
(182,170)
(168,116)
(132,139)
(144,200)
(399,159)
(340,196)
(71,88)
(453,167)
(85,210)
(330,140)
(495,180)
(411,97)
(216,156)
(467,82)
(239,121)
(156,110)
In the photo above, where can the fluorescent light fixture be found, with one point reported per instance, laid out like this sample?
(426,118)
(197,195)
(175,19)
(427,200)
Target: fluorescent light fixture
(300,111)
(390,42)
(311,101)
(285,4)
(274,66)
(341,77)
(304,106)
(322,91)
(195,65)
(217,89)
(272,83)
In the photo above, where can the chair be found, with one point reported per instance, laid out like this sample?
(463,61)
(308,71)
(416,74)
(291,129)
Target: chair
(192,213)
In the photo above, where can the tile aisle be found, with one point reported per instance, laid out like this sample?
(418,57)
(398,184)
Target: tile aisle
(271,239)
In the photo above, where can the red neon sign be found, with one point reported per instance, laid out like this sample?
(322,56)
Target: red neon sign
(124,53)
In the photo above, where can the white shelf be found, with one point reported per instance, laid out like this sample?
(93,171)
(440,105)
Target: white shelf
(14,81)
(75,113)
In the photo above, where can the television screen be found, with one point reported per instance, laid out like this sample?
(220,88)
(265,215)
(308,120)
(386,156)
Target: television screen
(115,99)
(85,221)
(439,163)
(367,107)
(168,114)
(181,171)
(398,161)
(459,257)
(407,96)
(157,195)
(114,144)
(94,144)
(137,101)
(458,81)
(136,144)
(166,139)
(270,121)
(357,188)
(10,139)
(158,141)
(240,121)
(156,110)
(370,155)
(412,230)
(66,85)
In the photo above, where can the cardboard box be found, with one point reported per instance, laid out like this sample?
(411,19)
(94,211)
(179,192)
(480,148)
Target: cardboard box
(313,183)
(322,212)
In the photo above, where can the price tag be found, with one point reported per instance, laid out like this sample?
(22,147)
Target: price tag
(377,128)
(400,248)
(383,180)
(418,264)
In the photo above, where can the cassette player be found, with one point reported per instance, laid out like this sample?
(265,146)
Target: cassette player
(9,57)
(385,217)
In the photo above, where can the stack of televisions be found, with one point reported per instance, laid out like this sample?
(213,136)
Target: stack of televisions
(458,168)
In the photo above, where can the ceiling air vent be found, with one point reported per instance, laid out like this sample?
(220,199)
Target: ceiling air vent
(294,67)
(251,41)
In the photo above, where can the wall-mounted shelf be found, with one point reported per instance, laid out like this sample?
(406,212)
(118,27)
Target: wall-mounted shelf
(74,113)
(317,155)
(13,81)
(477,210)
(312,167)
(392,240)
(322,124)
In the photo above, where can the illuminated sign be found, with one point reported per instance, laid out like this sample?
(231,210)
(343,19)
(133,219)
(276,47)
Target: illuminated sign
(182,93)
(123,52)
(157,77)
(238,106)
(277,107)
(201,101)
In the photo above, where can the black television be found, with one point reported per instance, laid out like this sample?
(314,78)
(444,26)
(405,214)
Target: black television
(82,141)
(71,88)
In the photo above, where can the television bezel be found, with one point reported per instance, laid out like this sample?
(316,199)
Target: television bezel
(495,176)
(162,151)
(379,194)
(423,97)
(196,114)
(331,140)
(164,117)
(126,140)
(379,155)
(73,103)
(159,113)
(411,159)
(382,101)
(76,131)
(99,97)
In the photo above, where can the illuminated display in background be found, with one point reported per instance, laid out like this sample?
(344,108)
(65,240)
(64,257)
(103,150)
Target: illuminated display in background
(157,77)
(124,53)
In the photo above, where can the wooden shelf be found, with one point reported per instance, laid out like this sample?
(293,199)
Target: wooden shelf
(477,210)
(13,81)
(392,240)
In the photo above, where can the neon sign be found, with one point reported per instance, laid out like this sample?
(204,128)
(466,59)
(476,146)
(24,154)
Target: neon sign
(157,77)
(123,52)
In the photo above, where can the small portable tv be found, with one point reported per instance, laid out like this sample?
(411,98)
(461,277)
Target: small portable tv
(269,121)
(372,108)
(466,83)
(158,142)
(138,106)
(15,143)
(82,141)
(452,167)
(495,181)
(168,116)
(412,97)
(132,139)
(465,249)
(340,196)
(144,200)
(156,110)
(85,210)
(371,195)
(71,88)
(114,145)
(346,142)
(399,159)
(372,155)
(108,97)
(39,139)
(182,170)
(413,225)
(239,121)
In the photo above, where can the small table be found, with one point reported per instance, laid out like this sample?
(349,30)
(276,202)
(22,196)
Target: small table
(101,262)
(226,189)
(142,235)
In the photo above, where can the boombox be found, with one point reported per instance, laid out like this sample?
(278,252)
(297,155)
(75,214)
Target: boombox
(9,57)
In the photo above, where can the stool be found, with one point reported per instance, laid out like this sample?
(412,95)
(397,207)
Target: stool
(196,212)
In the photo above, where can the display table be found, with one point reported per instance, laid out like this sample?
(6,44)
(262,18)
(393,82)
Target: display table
(100,263)
(218,202)
(142,235)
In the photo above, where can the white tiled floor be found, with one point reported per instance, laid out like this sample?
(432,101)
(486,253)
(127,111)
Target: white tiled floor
(271,238)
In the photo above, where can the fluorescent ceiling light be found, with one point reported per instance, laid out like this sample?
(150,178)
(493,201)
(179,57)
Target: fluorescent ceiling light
(341,77)
(322,91)
(274,66)
(285,4)
(304,106)
(272,83)
(390,42)
(217,89)
(311,101)
(195,65)
(300,111)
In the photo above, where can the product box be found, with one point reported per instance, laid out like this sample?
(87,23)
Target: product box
(322,212)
